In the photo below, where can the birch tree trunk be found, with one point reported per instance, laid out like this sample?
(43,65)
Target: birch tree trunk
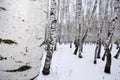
(108,42)
(92,16)
(81,43)
(22,28)
(118,47)
(52,38)
(98,46)
(108,62)
(106,24)
(97,50)
(108,53)
(116,22)
(99,35)
(117,54)
(78,23)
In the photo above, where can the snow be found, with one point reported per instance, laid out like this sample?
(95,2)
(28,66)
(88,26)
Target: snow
(67,66)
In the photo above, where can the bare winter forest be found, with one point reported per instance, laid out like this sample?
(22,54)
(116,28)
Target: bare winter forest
(39,39)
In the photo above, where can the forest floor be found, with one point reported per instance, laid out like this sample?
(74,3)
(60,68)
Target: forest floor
(67,66)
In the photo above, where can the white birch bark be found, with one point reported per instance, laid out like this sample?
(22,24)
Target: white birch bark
(51,39)
(99,37)
(23,22)
(116,22)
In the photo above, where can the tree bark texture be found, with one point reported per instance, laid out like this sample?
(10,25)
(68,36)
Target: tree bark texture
(52,38)
(108,62)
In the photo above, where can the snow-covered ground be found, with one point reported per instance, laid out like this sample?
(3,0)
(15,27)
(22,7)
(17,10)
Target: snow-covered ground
(67,66)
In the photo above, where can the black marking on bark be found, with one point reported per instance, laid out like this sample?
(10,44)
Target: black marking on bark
(26,49)
(18,61)
(7,41)
(42,43)
(20,69)
(2,58)
(23,20)
(3,9)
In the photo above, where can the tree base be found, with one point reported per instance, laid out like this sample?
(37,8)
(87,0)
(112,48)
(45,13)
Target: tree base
(75,52)
(103,58)
(80,56)
(95,62)
(55,49)
(116,57)
(98,57)
(107,71)
(108,62)
(46,72)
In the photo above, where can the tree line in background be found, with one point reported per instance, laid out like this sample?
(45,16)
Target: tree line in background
(83,21)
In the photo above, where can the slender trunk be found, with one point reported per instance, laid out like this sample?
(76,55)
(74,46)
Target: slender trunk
(76,43)
(110,48)
(80,50)
(101,21)
(96,52)
(93,13)
(78,23)
(55,47)
(117,55)
(106,26)
(70,44)
(115,20)
(108,62)
(108,53)
(82,40)
(99,50)
(76,49)
(103,57)
(52,38)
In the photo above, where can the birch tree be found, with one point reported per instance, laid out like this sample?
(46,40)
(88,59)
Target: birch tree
(51,39)
(22,28)
(116,21)
(108,41)
(78,25)
(106,24)
(98,43)
(118,47)
(108,53)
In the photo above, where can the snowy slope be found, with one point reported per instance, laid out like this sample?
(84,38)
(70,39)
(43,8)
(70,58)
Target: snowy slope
(66,66)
